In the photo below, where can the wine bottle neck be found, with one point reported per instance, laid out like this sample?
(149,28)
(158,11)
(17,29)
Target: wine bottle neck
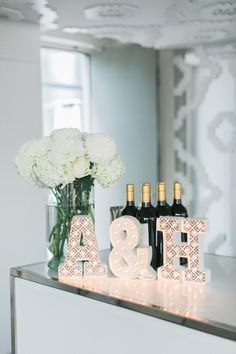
(130,203)
(177,201)
(161,202)
(146,204)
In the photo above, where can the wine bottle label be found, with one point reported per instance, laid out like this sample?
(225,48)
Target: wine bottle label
(144,235)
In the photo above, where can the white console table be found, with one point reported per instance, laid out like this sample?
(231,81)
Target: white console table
(116,316)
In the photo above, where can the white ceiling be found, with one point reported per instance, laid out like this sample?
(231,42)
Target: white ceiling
(150,23)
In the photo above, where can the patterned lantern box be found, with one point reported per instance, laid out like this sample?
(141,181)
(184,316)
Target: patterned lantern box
(173,249)
(82,256)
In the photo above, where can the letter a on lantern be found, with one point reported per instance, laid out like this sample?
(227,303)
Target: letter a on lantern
(174,249)
(82,256)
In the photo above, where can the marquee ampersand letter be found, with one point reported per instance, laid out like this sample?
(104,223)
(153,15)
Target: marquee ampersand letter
(173,249)
(82,251)
(126,260)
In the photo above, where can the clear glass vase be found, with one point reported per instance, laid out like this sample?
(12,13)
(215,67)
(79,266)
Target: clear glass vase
(75,198)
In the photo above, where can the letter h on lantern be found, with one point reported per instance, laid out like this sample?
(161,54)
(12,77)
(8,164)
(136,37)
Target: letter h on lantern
(173,249)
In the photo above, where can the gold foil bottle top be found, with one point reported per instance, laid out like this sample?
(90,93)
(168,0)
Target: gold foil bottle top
(177,190)
(146,193)
(130,192)
(161,191)
(149,185)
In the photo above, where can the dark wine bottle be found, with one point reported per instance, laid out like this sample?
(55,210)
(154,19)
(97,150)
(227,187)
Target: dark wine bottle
(150,190)
(130,208)
(179,210)
(162,209)
(147,218)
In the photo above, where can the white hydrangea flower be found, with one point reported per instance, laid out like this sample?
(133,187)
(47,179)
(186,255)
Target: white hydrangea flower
(29,155)
(48,174)
(51,173)
(40,147)
(66,133)
(109,174)
(68,154)
(67,145)
(24,161)
(101,148)
(66,151)
(81,167)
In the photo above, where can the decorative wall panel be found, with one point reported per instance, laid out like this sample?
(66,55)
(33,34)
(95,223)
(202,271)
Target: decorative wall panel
(205,138)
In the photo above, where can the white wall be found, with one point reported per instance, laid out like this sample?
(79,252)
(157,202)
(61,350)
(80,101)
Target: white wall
(22,207)
(124,105)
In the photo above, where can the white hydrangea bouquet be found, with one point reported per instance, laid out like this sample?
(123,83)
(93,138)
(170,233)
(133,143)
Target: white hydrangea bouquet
(68,162)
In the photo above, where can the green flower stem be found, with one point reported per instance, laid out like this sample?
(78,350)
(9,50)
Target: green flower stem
(73,199)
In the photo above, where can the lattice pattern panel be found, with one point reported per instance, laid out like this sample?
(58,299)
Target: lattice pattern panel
(82,256)
(202,124)
(186,162)
(174,249)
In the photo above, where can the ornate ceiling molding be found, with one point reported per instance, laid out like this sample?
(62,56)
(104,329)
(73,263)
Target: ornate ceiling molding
(223,11)
(143,35)
(222,51)
(158,24)
(210,34)
(47,16)
(110,11)
(11,14)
